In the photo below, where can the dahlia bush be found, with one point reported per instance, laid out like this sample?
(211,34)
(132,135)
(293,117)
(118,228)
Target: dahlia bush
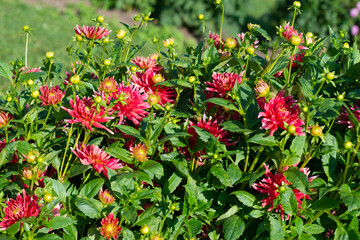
(249,137)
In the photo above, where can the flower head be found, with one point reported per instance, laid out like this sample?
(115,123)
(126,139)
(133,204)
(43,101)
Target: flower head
(85,112)
(354,12)
(223,82)
(280,110)
(271,185)
(262,88)
(146,63)
(169,42)
(108,85)
(5,118)
(110,227)
(105,197)
(51,96)
(139,152)
(95,156)
(344,116)
(288,31)
(131,103)
(24,206)
(92,32)
(216,40)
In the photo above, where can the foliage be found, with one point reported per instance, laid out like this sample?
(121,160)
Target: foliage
(221,142)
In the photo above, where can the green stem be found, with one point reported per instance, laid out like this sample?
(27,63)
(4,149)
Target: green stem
(87,177)
(293,20)
(272,65)
(26,48)
(222,20)
(67,146)
(47,117)
(291,61)
(322,84)
(131,39)
(256,159)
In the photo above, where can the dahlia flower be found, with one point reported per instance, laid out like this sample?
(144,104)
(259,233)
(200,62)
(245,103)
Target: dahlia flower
(343,119)
(223,82)
(212,127)
(86,113)
(5,118)
(289,31)
(271,184)
(253,42)
(110,227)
(51,96)
(217,41)
(139,152)
(105,197)
(95,156)
(146,63)
(278,111)
(92,32)
(148,80)
(108,85)
(24,206)
(262,88)
(131,103)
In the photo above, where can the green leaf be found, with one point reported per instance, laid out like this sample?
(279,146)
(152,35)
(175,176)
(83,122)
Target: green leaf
(219,172)
(131,131)
(119,153)
(13,228)
(90,207)
(234,173)
(245,198)
(59,189)
(92,188)
(234,227)
(232,211)
(325,203)
(313,229)
(264,140)
(263,33)
(174,135)
(222,102)
(51,236)
(298,179)
(351,199)
(23,147)
(5,70)
(129,213)
(276,230)
(71,232)
(297,145)
(193,226)
(153,168)
(172,183)
(31,75)
(127,234)
(7,153)
(60,222)
(289,202)
(78,169)
(351,116)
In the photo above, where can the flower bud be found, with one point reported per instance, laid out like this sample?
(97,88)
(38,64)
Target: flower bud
(201,17)
(100,19)
(296,4)
(107,62)
(105,197)
(27,174)
(26,28)
(30,82)
(79,38)
(169,42)
(49,55)
(291,129)
(75,79)
(48,197)
(35,93)
(316,130)
(250,50)
(153,99)
(348,145)
(230,43)
(120,34)
(295,40)
(346,45)
(262,88)
(192,79)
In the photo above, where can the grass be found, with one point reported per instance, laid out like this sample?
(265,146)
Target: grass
(53,31)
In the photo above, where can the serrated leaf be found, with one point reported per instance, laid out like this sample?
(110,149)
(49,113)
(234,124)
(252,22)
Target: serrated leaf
(351,199)
(298,179)
(234,227)
(223,103)
(263,33)
(313,229)
(60,222)
(130,131)
(289,202)
(31,75)
(88,206)
(153,168)
(219,172)
(5,70)
(264,140)
(172,183)
(245,198)
(193,226)
(276,230)
(92,188)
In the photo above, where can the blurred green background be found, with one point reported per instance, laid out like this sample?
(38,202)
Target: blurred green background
(53,21)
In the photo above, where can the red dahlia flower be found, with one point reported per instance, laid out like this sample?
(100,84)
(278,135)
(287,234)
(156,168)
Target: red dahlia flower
(218,42)
(110,227)
(278,111)
(131,103)
(270,185)
(95,156)
(92,32)
(223,82)
(23,207)
(85,112)
(148,80)
(105,197)
(344,116)
(51,96)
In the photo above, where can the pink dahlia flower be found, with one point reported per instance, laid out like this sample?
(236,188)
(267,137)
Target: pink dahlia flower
(131,103)
(223,82)
(289,31)
(218,43)
(278,111)
(146,63)
(24,206)
(344,116)
(110,227)
(148,80)
(92,32)
(86,113)
(95,156)
(270,185)
(51,96)
(5,118)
